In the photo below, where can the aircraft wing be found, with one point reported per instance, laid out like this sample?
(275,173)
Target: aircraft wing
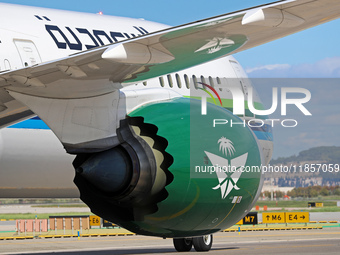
(105,69)
(12,111)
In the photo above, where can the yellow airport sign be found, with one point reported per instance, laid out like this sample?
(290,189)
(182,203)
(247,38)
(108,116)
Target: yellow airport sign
(318,204)
(95,221)
(240,222)
(273,217)
(297,217)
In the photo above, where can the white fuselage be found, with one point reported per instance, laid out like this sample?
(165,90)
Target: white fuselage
(32,35)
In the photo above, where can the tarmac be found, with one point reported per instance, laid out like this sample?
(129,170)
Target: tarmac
(311,242)
(322,236)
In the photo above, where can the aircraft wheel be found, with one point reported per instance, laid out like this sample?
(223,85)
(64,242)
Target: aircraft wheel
(203,243)
(182,244)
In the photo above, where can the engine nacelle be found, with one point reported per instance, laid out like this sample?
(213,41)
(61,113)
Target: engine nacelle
(174,174)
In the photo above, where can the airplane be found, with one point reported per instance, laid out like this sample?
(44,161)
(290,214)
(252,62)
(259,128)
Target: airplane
(133,103)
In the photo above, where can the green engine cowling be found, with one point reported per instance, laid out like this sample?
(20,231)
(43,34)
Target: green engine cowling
(184,177)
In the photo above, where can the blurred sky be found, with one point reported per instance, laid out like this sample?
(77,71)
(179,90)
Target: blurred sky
(309,54)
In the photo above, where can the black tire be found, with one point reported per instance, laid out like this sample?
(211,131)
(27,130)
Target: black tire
(203,243)
(182,244)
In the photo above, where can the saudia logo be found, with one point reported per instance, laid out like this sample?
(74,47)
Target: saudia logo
(216,44)
(76,38)
(227,169)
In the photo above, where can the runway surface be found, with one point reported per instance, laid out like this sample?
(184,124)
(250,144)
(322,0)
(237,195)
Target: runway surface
(324,241)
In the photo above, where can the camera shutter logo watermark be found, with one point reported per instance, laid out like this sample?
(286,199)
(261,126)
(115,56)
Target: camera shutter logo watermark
(228,171)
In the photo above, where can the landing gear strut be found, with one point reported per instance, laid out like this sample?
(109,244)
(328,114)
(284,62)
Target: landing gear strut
(202,243)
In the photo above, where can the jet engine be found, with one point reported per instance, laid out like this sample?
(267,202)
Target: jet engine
(175,173)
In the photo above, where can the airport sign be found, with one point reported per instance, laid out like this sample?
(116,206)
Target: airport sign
(249,219)
(297,217)
(273,217)
(95,221)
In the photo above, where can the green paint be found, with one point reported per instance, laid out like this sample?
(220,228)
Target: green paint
(192,206)
(188,55)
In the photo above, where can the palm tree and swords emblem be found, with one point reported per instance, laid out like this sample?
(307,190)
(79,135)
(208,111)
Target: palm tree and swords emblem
(229,170)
